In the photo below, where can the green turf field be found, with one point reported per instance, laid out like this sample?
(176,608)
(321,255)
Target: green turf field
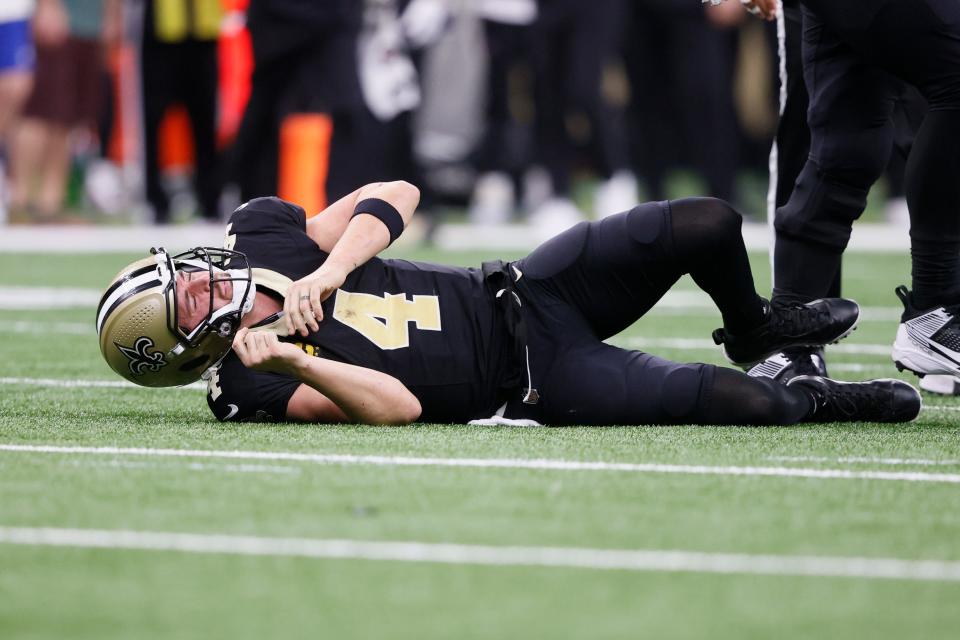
(747,509)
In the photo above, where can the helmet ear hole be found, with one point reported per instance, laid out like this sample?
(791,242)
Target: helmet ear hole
(190,365)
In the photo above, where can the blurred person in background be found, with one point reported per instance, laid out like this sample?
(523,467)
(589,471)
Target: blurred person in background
(506,144)
(392,43)
(179,66)
(680,59)
(67,96)
(16,75)
(305,87)
(573,41)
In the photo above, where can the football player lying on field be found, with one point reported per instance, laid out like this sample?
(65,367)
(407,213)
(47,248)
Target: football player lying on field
(298,319)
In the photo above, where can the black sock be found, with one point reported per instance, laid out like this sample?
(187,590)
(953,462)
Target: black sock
(803,271)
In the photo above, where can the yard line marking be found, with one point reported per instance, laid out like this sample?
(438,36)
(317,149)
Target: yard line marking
(47,297)
(867,460)
(195,466)
(46,328)
(83,384)
(508,556)
(497,463)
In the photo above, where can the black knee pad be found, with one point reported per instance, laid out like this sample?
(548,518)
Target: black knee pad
(680,391)
(702,226)
(644,223)
(556,254)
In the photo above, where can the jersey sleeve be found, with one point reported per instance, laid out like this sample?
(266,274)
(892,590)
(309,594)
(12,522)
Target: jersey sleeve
(266,215)
(238,394)
(271,233)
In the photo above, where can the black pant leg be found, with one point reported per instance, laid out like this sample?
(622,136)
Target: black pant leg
(158,87)
(200,98)
(851,136)
(614,270)
(919,42)
(596,383)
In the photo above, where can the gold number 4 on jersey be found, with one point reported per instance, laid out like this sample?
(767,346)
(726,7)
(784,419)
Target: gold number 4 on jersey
(384,320)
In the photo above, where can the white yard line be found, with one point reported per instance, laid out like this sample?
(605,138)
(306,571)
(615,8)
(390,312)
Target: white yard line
(47,297)
(192,466)
(496,463)
(867,460)
(49,328)
(505,556)
(83,384)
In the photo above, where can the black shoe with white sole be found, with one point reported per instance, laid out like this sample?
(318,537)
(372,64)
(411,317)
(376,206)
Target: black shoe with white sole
(883,400)
(927,341)
(789,364)
(813,324)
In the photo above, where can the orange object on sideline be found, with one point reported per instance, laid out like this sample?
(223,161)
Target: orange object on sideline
(305,160)
(122,139)
(175,140)
(235,56)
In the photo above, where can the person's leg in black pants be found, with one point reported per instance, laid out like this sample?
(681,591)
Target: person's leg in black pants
(851,136)
(918,41)
(158,87)
(200,85)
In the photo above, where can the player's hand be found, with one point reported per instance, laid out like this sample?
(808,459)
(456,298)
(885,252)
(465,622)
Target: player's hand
(726,15)
(766,9)
(263,351)
(303,306)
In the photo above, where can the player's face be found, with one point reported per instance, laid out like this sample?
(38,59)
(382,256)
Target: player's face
(193,297)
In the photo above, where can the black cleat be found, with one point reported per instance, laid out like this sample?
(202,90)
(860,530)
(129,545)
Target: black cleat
(814,324)
(787,365)
(883,400)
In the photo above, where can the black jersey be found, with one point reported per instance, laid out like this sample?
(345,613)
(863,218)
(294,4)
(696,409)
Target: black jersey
(433,327)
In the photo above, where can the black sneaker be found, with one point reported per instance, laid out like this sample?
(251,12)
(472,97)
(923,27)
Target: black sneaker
(928,341)
(883,400)
(787,365)
(814,324)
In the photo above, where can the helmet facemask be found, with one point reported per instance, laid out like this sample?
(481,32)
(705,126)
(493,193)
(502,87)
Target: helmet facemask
(138,324)
(220,265)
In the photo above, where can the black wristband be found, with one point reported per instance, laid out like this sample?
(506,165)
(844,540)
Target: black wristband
(384,212)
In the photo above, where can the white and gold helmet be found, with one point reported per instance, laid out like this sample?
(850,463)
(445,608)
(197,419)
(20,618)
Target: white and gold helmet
(140,337)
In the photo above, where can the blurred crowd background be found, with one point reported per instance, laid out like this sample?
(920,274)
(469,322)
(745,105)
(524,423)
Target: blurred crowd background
(537,111)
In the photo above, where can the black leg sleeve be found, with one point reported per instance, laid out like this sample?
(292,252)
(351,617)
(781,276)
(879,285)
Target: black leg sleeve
(708,245)
(736,398)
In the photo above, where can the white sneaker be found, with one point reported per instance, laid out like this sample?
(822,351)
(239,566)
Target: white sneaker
(537,188)
(553,216)
(928,342)
(943,385)
(493,199)
(618,193)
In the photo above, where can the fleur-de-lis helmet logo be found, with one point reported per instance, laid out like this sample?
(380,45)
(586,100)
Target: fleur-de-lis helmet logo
(140,358)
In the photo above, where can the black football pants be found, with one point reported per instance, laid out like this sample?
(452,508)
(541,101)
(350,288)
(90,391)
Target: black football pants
(858,59)
(596,279)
